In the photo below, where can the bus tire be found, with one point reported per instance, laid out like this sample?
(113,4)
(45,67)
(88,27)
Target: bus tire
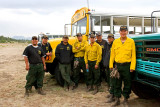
(58,76)
(144,91)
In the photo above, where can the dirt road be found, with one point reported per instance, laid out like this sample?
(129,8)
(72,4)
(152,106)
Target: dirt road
(12,82)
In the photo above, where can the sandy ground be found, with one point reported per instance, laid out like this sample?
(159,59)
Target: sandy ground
(12,82)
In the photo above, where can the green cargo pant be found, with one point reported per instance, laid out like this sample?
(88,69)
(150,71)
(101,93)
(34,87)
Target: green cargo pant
(77,70)
(66,74)
(102,72)
(108,76)
(125,76)
(93,74)
(111,83)
(35,74)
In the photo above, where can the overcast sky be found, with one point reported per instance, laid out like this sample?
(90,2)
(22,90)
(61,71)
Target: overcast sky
(30,17)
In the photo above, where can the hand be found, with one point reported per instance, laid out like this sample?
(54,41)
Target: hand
(44,67)
(27,67)
(49,54)
(131,70)
(111,69)
(86,66)
(96,66)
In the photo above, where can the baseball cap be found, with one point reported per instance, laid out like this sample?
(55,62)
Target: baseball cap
(66,37)
(79,34)
(98,34)
(92,36)
(44,37)
(123,28)
(34,37)
(110,35)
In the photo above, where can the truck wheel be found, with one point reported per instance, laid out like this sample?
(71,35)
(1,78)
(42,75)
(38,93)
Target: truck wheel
(58,76)
(144,91)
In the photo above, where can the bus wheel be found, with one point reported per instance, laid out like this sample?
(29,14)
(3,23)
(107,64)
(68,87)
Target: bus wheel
(144,91)
(58,76)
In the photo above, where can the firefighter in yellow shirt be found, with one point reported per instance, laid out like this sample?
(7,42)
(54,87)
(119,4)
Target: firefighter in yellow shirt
(93,56)
(123,54)
(79,50)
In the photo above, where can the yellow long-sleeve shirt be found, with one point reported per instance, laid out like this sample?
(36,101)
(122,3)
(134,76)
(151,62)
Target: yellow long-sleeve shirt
(93,53)
(81,48)
(123,52)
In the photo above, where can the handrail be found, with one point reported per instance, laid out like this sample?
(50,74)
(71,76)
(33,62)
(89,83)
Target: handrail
(152,27)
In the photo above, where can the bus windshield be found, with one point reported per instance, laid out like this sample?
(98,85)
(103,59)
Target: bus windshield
(79,27)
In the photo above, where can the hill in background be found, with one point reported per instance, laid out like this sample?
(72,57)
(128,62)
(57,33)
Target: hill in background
(11,40)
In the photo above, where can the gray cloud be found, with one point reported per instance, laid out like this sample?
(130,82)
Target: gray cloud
(48,6)
(60,12)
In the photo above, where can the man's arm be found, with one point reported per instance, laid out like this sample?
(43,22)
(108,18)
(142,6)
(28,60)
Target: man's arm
(44,64)
(84,46)
(133,58)
(74,48)
(72,54)
(86,59)
(99,57)
(112,57)
(57,52)
(26,62)
(50,50)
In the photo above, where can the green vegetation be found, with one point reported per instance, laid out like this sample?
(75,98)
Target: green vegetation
(10,40)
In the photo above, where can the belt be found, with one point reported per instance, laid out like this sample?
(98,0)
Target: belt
(36,64)
(126,63)
(79,57)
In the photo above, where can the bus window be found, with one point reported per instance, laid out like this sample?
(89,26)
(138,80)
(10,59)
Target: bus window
(96,23)
(79,27)
(147,24)
(74,28)
(138,30)
(131,30)
(116,29)
(119,21)
(147,30)
(105,23)
(135,24)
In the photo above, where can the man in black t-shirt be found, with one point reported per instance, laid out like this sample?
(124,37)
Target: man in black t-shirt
(35,65)
(46,47)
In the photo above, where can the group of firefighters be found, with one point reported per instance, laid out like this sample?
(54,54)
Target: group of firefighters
(114,61)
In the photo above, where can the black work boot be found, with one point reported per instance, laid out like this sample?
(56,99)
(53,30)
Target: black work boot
(116,103)
(71,87)
(66,88)
(125,102)
(74,87)
(26,93)
(30,90)
(40,91)
(89,88)
(95,90)
(111,99)
(108,96)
